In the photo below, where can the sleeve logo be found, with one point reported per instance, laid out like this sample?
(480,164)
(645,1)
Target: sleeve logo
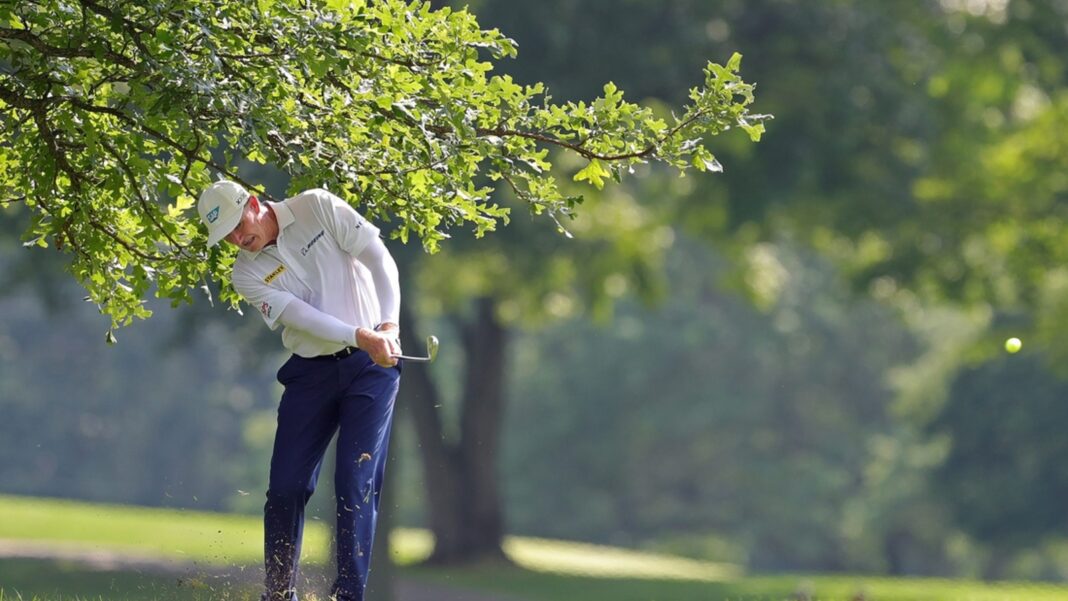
(271,276)
(265,308)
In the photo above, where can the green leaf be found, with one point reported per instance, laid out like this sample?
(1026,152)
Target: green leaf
(734,63)
(754,131)
(594,172)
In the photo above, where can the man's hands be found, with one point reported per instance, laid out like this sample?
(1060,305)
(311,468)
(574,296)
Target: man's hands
(381,344)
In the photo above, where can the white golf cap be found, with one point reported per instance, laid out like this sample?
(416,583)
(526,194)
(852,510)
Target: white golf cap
(220,208)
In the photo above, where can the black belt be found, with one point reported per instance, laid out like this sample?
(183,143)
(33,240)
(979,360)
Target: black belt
(345,352)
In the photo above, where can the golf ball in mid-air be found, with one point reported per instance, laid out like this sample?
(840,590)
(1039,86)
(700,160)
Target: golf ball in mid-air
(1013,344)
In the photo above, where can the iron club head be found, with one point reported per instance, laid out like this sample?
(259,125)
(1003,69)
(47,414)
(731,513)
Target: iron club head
(431,348)
(431,352)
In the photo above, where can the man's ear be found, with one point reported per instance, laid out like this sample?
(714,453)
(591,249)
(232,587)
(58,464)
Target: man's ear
(255,202)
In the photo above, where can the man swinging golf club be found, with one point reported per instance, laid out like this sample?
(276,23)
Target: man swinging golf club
(316,267)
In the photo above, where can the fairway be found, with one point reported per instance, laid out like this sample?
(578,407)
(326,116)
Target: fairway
(213,538)
(157,553)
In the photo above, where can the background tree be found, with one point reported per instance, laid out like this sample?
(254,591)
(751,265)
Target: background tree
(1004,472)
(706,426)
(486,292)
(517,277)
(914,145)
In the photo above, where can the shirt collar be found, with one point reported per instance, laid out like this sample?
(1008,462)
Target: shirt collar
(284,214)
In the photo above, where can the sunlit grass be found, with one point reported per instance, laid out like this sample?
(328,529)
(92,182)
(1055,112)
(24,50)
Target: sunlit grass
(229,547)
(225,539)
(598,561)
(410,546)
(213,538)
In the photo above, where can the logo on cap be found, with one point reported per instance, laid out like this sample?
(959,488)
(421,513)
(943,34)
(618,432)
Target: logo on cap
(213,215)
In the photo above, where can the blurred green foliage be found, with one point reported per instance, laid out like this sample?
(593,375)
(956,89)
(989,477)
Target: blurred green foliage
(1005,473)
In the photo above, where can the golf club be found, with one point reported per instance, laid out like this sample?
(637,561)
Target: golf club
(431,352)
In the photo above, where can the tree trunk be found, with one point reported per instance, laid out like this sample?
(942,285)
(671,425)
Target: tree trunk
(464,506)
(381,583)
(997,564)
(895,548)
(482,415)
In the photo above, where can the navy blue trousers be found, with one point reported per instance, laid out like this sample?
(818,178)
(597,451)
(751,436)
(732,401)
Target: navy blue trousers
(324,395)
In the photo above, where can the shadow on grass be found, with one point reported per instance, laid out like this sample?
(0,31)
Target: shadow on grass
(520,583)
(64,580)
(529,585)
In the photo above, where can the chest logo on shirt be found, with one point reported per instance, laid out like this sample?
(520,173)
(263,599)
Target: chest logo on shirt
(311,243)
(271,276)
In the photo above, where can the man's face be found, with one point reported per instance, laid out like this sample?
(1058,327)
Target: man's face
(253,231)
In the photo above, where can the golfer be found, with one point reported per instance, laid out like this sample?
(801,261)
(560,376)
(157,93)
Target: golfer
(312,265)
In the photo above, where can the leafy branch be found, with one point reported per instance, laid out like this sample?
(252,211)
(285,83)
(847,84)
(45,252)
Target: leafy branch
(121,112)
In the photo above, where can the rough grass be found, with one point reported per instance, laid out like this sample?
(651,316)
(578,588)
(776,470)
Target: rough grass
(61,581)
(45,580)
(221,555)
(540,586)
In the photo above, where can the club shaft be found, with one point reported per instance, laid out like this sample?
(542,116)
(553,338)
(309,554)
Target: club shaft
(431,352)
(408,358)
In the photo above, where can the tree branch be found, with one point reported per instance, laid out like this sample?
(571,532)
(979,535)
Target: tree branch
(64,227)
(16,100)
(191,155)
(179,249)
(35,42)
(414,65)
(134,28)
(40,118)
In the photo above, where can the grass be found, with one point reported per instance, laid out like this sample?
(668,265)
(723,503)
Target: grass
(54,581)
(214,538)
(47,580)
(539,586)
(225,551)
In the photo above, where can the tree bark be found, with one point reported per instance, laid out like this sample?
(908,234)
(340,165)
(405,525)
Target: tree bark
(482,413)
(997,565)
(895,548)
(381,583)
(464,505)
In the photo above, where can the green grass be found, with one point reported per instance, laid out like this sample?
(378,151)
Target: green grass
(215,538)
(46,580)
(539,586)
(55,581)
(226,552)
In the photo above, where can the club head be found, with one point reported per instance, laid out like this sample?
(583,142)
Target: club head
(431,352)
(432,347)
